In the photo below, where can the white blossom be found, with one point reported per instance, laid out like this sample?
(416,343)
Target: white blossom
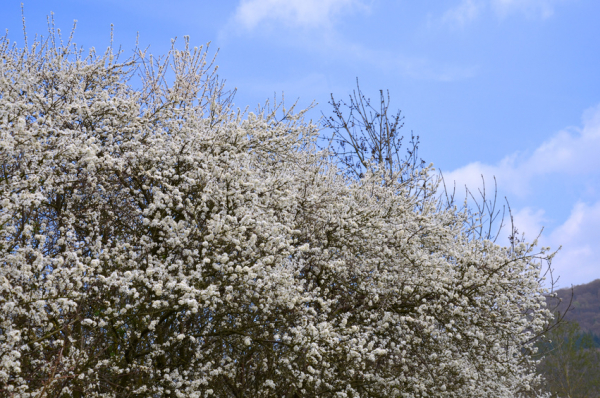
(156,241)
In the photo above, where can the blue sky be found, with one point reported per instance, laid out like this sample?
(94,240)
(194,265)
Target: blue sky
(505,88)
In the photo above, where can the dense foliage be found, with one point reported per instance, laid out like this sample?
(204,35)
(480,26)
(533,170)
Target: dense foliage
(571,352)
(571,360)
(155,242)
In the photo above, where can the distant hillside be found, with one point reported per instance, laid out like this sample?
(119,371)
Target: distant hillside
(585,308)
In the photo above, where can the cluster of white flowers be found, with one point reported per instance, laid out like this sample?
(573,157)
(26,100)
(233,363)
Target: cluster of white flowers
(155,242)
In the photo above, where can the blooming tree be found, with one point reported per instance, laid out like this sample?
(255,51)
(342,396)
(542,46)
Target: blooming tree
(156,242)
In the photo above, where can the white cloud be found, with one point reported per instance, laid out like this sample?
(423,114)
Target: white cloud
(530,222)
(538,8)
(392,62)
(466,11)
(306,13)
(505,173)
(320,17)
(569,152)
(579,259)
(469,10)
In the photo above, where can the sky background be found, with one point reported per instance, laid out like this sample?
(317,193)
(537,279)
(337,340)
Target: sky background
(504,88)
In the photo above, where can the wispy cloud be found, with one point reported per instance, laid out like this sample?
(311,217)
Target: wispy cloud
(535,8)
(579,236)
(318,22)
(469,10)
(301,13)
(417,67)
(570,152)
(578,261)
(466,11)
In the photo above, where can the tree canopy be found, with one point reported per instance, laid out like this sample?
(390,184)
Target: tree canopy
(154,241)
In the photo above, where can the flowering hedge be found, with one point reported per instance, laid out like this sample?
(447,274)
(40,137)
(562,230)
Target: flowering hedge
(156,242)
